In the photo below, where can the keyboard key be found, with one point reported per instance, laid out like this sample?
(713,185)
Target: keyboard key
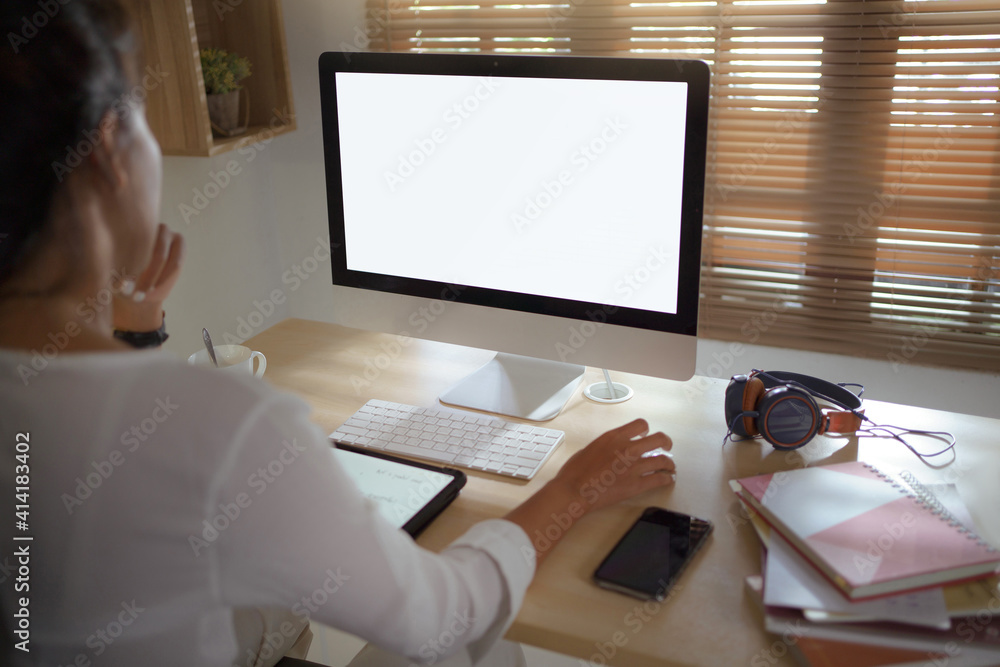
(521,462)
(444,457)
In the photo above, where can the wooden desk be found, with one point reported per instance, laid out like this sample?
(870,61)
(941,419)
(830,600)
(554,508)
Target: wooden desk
(709,620)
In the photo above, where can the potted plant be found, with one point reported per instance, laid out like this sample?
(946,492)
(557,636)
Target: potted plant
(223,72)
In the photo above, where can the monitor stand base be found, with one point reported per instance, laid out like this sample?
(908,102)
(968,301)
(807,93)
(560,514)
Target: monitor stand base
(516,386)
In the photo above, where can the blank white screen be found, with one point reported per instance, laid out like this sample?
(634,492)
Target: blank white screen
(565,188)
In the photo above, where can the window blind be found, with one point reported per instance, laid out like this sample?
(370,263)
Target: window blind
(853,181)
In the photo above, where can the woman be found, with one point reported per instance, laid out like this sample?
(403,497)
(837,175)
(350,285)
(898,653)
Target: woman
(131,457)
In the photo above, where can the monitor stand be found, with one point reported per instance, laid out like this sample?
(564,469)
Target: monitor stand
(516,386)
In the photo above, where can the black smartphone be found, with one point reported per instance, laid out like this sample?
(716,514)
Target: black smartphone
(652,554)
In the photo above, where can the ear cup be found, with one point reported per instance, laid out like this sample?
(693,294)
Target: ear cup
(789,418)
(752,393)
(734,405)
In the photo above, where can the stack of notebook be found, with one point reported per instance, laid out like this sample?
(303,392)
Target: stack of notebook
(863,568)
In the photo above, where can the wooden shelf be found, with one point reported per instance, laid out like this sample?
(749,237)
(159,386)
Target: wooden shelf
(174,32)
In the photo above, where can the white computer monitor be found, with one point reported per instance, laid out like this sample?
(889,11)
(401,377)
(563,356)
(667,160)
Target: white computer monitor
(546,207)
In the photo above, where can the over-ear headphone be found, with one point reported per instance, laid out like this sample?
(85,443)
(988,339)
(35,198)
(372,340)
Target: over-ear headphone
(780,406)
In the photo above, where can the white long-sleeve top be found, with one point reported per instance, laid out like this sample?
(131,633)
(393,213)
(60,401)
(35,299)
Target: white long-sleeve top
(163,495)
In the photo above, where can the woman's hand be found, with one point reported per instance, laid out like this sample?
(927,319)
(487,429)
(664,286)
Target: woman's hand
(612,468)
(141,309)
(607,471)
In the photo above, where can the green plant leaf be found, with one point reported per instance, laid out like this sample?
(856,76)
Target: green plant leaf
(223,71)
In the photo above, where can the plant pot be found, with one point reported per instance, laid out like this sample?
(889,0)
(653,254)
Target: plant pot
(224,112)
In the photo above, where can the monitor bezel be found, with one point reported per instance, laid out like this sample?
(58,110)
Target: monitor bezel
(692,72)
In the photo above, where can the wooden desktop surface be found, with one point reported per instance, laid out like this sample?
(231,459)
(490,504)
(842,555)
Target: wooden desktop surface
(709,619)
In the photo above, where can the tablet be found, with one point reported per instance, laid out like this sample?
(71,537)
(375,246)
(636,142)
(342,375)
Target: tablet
(408,494)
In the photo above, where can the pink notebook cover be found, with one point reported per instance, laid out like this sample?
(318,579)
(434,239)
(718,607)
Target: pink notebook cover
(875,534)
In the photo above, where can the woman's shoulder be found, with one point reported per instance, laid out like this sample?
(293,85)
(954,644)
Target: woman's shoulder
(133,379)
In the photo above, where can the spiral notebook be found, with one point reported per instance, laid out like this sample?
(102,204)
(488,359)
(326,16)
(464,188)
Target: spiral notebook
(868,533)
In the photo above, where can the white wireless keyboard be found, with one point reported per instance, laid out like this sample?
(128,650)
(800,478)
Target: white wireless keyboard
(451,437)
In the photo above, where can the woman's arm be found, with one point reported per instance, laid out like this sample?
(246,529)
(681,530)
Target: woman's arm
(305,538)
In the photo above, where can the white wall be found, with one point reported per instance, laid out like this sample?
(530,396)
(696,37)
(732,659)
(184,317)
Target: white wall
(269,227)
(232,255)
(245,247)
(313,26)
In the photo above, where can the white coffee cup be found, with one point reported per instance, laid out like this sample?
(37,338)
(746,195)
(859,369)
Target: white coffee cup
(232,359)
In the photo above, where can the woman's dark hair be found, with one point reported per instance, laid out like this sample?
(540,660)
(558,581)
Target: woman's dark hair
(63,65)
